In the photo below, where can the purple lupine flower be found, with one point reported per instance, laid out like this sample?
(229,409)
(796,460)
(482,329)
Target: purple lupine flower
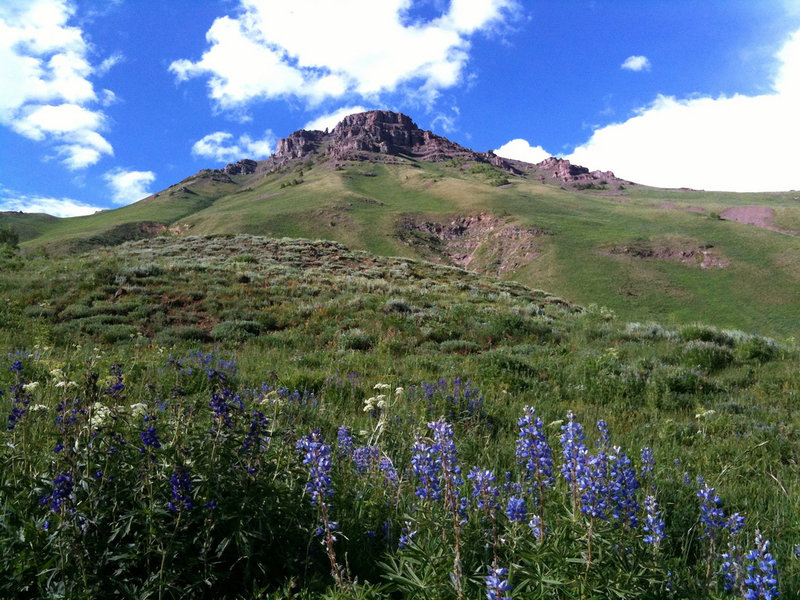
(622,488)
(390,476)
(734,524)
(604,441)
(732,570)
(407,535)
(62,490)
(496,585)
(344,442)
(366,458)
(573,450)
(711,515)
(516,510)
(762,575)
(653,523)
(445,449)
(535,525)
(533,450)
(16,366)
(593,484)
(257,438)
(482,488)
(318,458)
(221,403)
(181,493)
(426,466)
(150,438)
(116,387)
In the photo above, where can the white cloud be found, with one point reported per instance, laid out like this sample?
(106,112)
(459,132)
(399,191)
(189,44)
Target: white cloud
(221,147)
(314,49)
(128,186)
(44,78)
(330,120)
(58,207)
(636,63)
(729,143)
(520,149)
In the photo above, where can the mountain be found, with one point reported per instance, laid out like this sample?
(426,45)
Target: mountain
(378,182)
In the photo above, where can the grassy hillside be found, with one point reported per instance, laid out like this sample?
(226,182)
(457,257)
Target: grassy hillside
(157,392)
(644,253)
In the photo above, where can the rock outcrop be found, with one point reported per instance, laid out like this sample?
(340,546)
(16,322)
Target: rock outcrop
(242,167)
(562,170)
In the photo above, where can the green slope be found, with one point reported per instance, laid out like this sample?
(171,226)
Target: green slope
(362,205)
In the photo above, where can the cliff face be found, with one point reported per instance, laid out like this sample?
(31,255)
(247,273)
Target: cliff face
(363,135)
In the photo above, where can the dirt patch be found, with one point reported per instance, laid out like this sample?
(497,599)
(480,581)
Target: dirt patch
(760,216)
(673,206)
(705,257)
(482,242)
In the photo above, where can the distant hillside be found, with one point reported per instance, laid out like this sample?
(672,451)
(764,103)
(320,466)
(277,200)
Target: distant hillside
(379,183)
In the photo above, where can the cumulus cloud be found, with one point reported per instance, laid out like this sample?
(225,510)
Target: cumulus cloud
(220,146)
(520,149)
(44,74)
(330,120)
(308,49)
(636,63)
(128,186)
(727,143)
(58,207)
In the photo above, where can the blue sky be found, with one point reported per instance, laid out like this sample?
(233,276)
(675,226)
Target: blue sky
(104,103)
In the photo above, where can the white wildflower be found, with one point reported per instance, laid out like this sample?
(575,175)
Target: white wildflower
(399,391)
(381,386)
(138,409)
(100,415)
(369,404)
(37,408)
(29,387)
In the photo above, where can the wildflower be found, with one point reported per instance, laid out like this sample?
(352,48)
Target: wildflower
(101,414)
(762,575)
(648,462)
(445,450)
(535,525)
(622,488)
(573,450)
(257,437)
(365,458)
(31,386)
(381,386)
(496,585)
(734,523)
(318,458)
(116,383)
(426,467)
(16,366)
(38,408)
(150,438)
(389,472)
(62,490)
(407,535)
(345,442)
(516,509)
(653,523)
(181,498)
(711,515)
(138,409)
(533,451)
(482,488)
(593,484)
(604,441)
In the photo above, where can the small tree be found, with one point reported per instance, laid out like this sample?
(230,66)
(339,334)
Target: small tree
(9,238)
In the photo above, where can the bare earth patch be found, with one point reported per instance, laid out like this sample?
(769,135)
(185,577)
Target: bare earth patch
(482,242)
(705,257)
(760,216)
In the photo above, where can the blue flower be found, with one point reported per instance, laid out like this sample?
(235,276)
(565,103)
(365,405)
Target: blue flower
(317,456)
(573,450)
(426,466)
(653,523)
(482,488)
(533,452)
(366,458)
(496,585)
(150,438)
(62,491)
(762,575)
(181,498)
(345,442)
(516,510)
(711,515)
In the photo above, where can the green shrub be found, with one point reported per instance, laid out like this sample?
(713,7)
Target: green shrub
(708,356)
(182,333)
(356,339)
(459,346)
(75,311)
(758,349)
(236,331)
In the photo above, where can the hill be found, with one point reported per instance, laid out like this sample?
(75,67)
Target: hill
(379,183)
(163,397)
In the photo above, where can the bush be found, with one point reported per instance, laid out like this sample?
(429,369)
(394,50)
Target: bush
(459,346)
(236,331)
(707,356)
(182,333)
(758,349)
(356,339)
(75,311)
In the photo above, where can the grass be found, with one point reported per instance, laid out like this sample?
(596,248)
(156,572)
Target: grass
(302,331)
(360,204)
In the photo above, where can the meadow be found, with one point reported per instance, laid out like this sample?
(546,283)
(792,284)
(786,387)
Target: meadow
(243,417)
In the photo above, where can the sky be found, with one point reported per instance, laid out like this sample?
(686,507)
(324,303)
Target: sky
(104,103)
